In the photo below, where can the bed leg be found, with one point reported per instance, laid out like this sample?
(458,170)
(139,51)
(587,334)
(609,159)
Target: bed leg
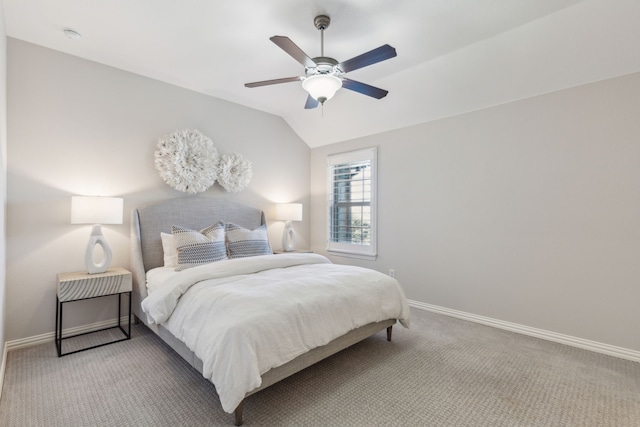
(389,329)
(238,414)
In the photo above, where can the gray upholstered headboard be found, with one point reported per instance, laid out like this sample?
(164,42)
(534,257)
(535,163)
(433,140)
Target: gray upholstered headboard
(192,212)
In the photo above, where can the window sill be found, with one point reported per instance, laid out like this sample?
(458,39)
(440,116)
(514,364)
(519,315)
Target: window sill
(352,255)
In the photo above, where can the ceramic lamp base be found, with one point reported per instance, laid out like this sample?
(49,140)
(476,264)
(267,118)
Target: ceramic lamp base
(97,239)
(288,238)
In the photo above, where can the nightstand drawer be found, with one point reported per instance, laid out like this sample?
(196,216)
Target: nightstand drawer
(80,285)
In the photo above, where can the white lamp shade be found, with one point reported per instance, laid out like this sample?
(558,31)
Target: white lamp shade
(322,87)
(96,210)
(289,211)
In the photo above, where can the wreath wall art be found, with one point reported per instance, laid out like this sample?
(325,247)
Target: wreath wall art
(188,161)
(234,172)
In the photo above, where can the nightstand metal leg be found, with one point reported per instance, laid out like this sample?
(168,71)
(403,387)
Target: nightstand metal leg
(58,327)
(120,311)
(129,317)
(127,333)
(60,331)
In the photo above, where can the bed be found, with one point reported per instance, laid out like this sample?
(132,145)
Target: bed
(248,322)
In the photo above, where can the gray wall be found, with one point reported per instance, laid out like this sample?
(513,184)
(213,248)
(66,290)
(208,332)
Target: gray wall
(527,212)
(81,128)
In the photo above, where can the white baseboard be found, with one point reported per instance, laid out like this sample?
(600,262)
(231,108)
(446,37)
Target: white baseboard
(584,344)
(50,336)
(2,368)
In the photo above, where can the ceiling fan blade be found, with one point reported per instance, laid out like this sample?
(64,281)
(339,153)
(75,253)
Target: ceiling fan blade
(363,88)
(311,103)
(292,49)
(379,54)
(273,82)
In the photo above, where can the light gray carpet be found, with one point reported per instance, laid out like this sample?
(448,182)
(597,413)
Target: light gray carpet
(441,372)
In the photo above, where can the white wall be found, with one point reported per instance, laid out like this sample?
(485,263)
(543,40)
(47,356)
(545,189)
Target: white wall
(3,174)
(527,212)
(81,128)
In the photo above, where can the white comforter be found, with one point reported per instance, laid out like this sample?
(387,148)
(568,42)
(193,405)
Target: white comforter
(242,317)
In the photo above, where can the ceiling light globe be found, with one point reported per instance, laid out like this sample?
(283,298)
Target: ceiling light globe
(322,87)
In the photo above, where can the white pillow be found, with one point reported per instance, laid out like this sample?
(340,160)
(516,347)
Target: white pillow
(169,249)
(199,247)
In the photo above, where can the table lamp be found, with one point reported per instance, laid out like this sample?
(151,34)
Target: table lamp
(96,211)
(289,212)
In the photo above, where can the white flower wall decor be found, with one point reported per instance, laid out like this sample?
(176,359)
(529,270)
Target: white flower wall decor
(187,161)
(234,172)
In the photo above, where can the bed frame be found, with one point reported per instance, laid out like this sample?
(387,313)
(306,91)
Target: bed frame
(197,213)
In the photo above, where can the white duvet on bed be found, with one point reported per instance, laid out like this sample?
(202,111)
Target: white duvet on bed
(244,316)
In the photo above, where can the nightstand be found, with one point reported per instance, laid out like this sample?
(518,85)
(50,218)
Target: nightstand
(80,286)
(295,251)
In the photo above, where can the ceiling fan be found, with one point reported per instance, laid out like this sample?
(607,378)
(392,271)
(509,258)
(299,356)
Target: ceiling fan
(324,75)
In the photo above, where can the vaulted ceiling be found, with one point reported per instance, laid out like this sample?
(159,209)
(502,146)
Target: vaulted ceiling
(454,56)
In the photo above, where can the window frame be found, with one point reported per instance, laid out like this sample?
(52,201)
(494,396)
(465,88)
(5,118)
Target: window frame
(351,249)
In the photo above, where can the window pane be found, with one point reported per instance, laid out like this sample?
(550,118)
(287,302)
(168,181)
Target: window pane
(350,212)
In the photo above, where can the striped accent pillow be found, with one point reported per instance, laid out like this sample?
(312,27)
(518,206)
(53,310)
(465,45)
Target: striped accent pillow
(243,242)
(199,247)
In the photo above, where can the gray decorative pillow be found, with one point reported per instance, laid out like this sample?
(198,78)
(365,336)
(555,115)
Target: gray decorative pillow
(199,247)
(243,242)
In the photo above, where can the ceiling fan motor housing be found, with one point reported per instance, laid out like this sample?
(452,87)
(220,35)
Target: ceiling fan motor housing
(322,22)
(324,65)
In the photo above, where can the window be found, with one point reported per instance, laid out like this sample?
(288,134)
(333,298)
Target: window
(352,204)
